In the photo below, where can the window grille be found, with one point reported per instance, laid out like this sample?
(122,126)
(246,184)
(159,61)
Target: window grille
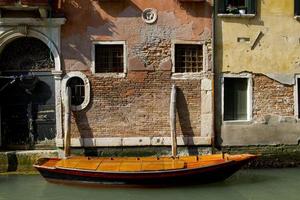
(188,58)
(109,58)
(77,91)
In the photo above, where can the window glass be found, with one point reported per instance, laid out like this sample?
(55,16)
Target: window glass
(235,98)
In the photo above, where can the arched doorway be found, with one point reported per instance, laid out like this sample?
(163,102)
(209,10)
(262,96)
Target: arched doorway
(27,94)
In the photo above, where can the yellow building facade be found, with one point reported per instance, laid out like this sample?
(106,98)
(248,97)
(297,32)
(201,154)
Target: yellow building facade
(257,67)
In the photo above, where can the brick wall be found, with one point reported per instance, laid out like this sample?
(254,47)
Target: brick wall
(138,105)
(271,98)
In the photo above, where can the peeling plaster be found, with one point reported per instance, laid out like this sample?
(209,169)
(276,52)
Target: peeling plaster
(287,79)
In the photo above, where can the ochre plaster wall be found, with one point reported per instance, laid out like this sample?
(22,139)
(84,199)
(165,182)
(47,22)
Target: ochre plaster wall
(277,50)
(272,58)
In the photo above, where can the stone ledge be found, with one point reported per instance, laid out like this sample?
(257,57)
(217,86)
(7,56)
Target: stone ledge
(22,161)
(134,141)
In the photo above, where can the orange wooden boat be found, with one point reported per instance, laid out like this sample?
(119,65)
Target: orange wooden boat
(143,170)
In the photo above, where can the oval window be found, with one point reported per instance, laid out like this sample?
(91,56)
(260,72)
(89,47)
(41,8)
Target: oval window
(80,89)
(77,90)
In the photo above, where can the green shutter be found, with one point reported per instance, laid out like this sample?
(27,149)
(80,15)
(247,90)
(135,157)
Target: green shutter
(251,6)
(297,7)
(221,6)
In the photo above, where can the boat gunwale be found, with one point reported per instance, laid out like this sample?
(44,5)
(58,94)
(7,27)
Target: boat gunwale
(137,172)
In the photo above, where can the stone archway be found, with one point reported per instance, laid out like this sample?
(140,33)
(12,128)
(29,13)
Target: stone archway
(55,73)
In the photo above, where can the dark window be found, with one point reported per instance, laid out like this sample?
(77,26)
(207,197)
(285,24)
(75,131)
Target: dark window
(77,90)
(297,7)
(188,58)
(237,6)
(298,91)
(235,98)
(109,58)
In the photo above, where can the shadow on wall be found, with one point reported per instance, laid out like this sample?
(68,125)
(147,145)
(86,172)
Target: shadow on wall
(92,18)
(82,123)
(197,9)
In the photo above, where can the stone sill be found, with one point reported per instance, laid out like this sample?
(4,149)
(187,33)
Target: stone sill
(225,15)
(190,76)
(237,122)
(297,17)
(110,75)
(135,141)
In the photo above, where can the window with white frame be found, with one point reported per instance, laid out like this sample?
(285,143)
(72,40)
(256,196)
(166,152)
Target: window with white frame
(236,98)
(80,89)
(188,58)
(298,96)
(109,57)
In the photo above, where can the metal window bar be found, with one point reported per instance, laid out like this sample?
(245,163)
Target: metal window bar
(109,58)
(188,58)
(77,91)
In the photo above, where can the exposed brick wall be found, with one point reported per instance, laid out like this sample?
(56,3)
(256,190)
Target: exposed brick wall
(138,105)
(271,98)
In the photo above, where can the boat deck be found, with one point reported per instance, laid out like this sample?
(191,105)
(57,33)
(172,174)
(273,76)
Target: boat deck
(137,164)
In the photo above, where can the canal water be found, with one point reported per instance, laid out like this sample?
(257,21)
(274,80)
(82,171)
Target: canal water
(262,184)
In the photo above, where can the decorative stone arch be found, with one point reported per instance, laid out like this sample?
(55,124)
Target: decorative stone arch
(13,34)
(19,31)
(87,88)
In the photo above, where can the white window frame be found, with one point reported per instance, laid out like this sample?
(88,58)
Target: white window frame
(249,96)
(87,89)
(125,56)
(189,75)
(296,96)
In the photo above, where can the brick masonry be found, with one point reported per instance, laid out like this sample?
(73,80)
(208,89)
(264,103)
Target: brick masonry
(271,98)
(138,105)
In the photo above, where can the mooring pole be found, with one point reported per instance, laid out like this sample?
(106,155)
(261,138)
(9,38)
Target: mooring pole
(173,121)
(67,121)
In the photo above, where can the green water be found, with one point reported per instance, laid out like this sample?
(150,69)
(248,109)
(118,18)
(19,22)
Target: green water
(247,184)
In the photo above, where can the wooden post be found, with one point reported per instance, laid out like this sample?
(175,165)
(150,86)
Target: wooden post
(173,121)
(67,121)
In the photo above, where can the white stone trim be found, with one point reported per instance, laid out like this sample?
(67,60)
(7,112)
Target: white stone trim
(228,15)
(191,75)
(46,30)
(45,22)
(135,141)
(249,96)
(125,57)
(87,89)
(296,96)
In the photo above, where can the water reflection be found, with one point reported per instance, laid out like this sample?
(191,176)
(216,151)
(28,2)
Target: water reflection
(246,184)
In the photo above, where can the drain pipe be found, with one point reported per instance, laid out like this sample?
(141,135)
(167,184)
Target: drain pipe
(67,121)
(173,121)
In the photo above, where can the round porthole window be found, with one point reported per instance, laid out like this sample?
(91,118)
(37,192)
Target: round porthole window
(80,90)
(149,15)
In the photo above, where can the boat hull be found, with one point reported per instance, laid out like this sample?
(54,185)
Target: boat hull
(205,174)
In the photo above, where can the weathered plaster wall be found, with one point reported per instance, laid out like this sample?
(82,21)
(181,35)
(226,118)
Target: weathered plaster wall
(272,57)
(275,51)
(137,105)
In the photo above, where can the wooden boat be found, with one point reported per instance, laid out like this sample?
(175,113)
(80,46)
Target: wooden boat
(143,170)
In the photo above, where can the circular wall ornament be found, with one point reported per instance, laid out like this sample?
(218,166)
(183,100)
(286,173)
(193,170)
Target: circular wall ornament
(149,15)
